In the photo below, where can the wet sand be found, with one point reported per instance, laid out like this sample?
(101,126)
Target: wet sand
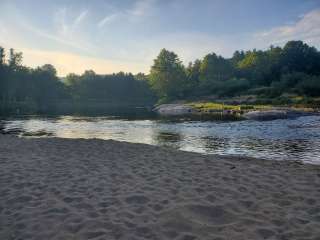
(94,189)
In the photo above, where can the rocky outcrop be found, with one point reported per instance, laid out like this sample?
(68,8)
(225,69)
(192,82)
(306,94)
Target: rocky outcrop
(265,115)
(174,109)
(273,114)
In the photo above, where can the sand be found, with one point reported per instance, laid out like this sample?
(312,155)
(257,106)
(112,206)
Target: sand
(94,189)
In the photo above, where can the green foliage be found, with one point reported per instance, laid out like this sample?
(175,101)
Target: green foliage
(213,106)
(259,66)
(272,75)
(193,72)
(40,90)
(15,59)
(290,80)
(237,57)
(299,57)
(214,69)
(232,87)
(167,76)
(268,74)
(120,87)
(310,86)
(282,100)
(2,56)
(274,91)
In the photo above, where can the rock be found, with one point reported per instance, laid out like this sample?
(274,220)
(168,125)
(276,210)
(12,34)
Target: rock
(266,115)
(174,109)
(280,113)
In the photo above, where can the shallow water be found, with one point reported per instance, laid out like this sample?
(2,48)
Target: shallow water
(285,139)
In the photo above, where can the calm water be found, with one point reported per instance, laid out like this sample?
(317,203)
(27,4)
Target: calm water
(297,139)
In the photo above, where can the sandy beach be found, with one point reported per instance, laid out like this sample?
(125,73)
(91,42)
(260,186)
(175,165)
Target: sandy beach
(65,189)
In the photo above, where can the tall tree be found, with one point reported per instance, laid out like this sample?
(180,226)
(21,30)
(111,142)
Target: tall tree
(299,57)
(15,59)
(2,56)
(167,76)
(193,77)
(214,69)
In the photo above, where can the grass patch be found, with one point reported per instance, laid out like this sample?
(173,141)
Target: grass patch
(212,106)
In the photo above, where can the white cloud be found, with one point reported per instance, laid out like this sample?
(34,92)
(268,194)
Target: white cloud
(307,28)
(65,25)
(141,7)
(67,41)
(107,19)
(21,29)
(60,21)
(139,10)
(80,17)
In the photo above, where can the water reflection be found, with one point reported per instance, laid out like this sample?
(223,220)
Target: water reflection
(171,139)
(283,139)
(214,143)
(164,137)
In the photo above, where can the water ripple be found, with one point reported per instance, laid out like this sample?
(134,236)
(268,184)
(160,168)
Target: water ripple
(284,139)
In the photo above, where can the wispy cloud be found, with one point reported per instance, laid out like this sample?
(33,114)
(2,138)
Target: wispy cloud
(57,38)
(59,19)
(66,25)
(107,19)
(141,7)
(63,33)
(80,18)
(306,29)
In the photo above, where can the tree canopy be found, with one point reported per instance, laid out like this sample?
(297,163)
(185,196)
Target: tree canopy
(295,69)
(277,71)
(40,90)
(167,76)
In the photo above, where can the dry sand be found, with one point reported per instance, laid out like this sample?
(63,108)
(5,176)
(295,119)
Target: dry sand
(95,189)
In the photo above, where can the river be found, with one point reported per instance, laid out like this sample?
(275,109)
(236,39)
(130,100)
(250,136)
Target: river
(285,139)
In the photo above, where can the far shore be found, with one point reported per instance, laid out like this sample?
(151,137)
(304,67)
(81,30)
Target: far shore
(54,188)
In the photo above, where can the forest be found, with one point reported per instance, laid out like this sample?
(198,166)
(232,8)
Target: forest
(40,90)
(293,69)
(273,74)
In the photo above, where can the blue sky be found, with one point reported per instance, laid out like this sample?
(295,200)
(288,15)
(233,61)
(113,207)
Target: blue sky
(112,35)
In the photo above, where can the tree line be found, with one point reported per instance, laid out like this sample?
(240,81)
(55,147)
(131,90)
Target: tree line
(40,90)
(292,69)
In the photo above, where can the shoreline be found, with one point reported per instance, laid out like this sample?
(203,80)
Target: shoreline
(220,111)
(104,189)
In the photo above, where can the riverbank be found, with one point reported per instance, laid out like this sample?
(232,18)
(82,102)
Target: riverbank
(220,111)
(94,189)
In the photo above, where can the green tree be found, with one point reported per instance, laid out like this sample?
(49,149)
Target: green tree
(167,76)
(2,56)
(193,77)
(237,57)
(214,69)
(299,57)
(50,69)
(309,86)
(15,59)
(259,67)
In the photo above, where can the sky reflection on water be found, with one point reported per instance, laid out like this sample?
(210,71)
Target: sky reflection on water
(297,139)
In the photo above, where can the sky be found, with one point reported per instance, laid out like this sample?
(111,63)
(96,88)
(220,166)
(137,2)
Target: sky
(126,35)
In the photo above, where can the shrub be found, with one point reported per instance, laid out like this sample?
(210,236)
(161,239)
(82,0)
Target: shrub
(309,86)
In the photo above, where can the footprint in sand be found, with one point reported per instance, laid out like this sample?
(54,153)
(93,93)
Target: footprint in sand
(137,199)
(187,217)
(211,215)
